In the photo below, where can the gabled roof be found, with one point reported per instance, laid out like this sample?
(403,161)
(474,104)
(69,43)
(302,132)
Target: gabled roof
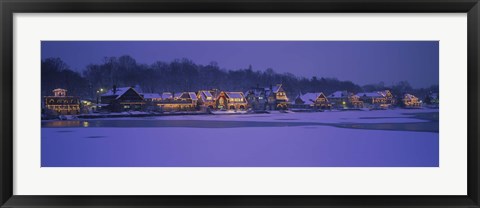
(186,95)
(275,89)
(193,96)
(354,96)
(214,92)
(204,95)
(409,96)
(384,92)
(119,92)
(338,94)
(234,94)
(371,94)
(207,93)
(178,94)
(309,98)
(167,95)
(58,89)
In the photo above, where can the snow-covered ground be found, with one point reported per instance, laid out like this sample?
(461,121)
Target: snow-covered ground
(331,117)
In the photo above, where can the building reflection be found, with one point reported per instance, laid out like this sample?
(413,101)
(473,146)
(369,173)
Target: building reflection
(63,124)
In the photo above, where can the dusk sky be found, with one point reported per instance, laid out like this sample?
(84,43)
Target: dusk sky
(363,62)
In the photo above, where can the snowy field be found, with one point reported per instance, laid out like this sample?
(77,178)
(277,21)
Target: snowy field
(258,140)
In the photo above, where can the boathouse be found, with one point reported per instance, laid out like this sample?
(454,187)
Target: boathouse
(61,103)
(123,99)
(231,101)
(316,100)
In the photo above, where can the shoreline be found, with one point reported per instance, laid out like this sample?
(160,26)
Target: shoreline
(416,122)
(140,114)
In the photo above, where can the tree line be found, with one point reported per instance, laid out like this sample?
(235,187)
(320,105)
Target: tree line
(184,75)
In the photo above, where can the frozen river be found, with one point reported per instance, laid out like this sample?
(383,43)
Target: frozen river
(388,138)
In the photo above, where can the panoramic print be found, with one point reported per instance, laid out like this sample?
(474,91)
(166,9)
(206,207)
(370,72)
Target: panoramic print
(239,103)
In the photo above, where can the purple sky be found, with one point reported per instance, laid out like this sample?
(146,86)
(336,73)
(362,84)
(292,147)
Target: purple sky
(362,62)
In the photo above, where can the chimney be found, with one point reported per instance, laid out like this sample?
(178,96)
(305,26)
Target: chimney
(271,87)
(258,86)
(114,89)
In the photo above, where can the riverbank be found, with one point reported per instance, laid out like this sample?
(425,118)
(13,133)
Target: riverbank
(140,114)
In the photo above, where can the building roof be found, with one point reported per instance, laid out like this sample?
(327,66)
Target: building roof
(214,92)
(309,98)
(275,89)
(193,96)
(178,95)
(205,95)
(354,96)
(186,95)
(338,94)
(384,92)
(167,95)
(120,91)
(234,94)
(409,96)
(371,94)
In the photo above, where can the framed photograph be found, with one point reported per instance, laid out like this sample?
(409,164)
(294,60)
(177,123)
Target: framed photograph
(239,103)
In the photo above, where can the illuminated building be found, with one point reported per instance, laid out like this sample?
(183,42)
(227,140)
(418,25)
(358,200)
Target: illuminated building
(383,99)
(61,103)
(277,97)
(206,98)
(123,99)
(268,98)
(410,101)
(257,98)
(316,100)
(344,100)
(151,97)
(185,101)
(231,101)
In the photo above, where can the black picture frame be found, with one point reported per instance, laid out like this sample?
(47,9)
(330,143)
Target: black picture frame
(9,7)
